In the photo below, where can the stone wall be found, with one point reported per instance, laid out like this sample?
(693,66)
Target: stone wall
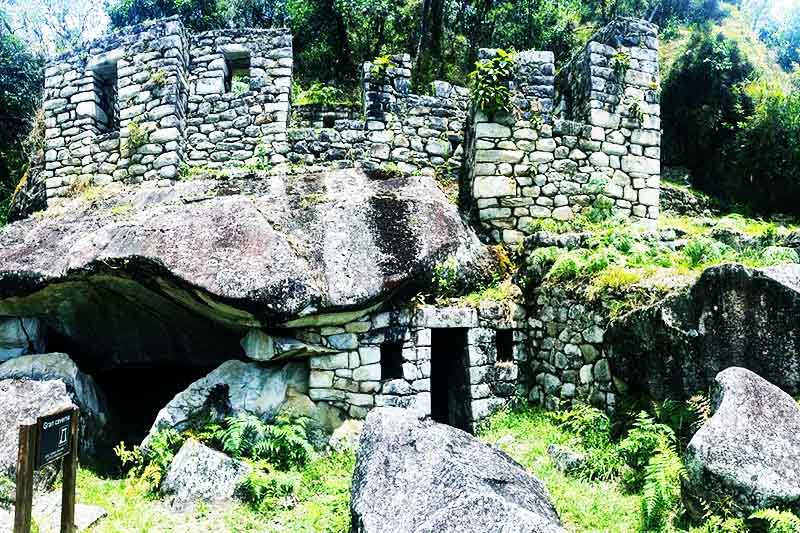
(567,361)
(322,115)
(130,80)
(229,118)
(384,358)
(594,131)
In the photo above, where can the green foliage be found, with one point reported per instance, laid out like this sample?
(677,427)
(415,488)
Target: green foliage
(779,254)
(701,250)
(779,521)
(701,106)
(283,443)
(643,440)
(138,136)
(21,82)
(158,78)
(445,278)
(620,63)
(148,465)
(318,93)
(489,83)
(261,490)
(380,66)
(661,493)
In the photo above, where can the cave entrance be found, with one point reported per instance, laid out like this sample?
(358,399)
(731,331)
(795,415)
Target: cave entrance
(450,392)
(136,394)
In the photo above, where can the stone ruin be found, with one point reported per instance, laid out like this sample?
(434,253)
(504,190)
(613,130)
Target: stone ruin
(148,102)
(149,105)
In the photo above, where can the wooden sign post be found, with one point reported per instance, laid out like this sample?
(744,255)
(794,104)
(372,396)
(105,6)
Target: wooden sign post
(51,438)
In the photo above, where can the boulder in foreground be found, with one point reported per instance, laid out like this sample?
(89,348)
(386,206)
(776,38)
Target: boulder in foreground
(198,473)
(749,450)
(416,475)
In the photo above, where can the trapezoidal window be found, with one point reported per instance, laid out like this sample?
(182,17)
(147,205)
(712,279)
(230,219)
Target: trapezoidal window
(504,343)
(391,360)
(106,97)
(237,77)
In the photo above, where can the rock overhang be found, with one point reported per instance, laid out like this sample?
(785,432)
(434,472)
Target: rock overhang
(265,251)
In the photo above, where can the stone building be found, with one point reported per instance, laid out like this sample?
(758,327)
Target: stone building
(149,105)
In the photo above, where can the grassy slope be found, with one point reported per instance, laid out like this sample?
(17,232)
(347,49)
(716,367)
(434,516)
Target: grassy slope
(321,500)
(320,504)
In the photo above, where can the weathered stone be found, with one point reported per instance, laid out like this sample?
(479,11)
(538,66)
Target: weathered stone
(748,451)
(200,474)
(409,479)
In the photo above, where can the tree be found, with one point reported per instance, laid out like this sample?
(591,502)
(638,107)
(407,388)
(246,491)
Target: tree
(51,26)
(197,15)
(21,82)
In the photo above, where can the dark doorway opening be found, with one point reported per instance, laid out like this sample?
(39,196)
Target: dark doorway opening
(504,343)
(450,394)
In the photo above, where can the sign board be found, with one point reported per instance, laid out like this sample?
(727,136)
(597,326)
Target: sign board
(54,437)
(51,438)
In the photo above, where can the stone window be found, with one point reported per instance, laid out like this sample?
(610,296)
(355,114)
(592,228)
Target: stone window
(106,97)
(391,360)
(504,343)
(237,71)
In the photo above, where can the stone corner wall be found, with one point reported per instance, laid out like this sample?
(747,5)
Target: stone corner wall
(94,94)
(592,130)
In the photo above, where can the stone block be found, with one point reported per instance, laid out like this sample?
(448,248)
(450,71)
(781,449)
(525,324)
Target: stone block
(493,186)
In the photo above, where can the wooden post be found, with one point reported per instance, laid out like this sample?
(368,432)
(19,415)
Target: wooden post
(70,474)
(25,460)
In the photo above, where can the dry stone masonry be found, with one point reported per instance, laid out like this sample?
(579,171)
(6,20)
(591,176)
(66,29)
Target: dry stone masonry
(153,103)
(592,130)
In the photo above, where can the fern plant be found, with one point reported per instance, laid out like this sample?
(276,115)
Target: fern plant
(778,521)
(645,437)
(283,443)
(661,491)
(147,465)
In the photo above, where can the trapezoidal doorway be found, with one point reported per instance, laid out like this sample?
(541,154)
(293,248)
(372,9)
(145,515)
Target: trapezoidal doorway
(450,394)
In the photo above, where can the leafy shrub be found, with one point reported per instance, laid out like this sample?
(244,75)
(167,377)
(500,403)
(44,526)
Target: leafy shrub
(148,465)
(779,254)
(260,489)
(489,83)
(283,443)
(702,249)
(317,93)
(779,521)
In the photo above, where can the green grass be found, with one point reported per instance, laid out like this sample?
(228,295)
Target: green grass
(320,503)
(584,506)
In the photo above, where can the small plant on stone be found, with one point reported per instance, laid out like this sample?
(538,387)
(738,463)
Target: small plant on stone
(138,136)
(620,63)
(635,110)
(158,78)
(380,66)
(445,278)
(489,83)
(240,84)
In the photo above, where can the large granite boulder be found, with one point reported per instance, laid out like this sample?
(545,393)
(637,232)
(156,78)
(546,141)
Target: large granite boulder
(81,387)
(749,450)
(416,475)
(198,473)
(22,401)
(19,336)
(234,388)
(129,273)
(732,316)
